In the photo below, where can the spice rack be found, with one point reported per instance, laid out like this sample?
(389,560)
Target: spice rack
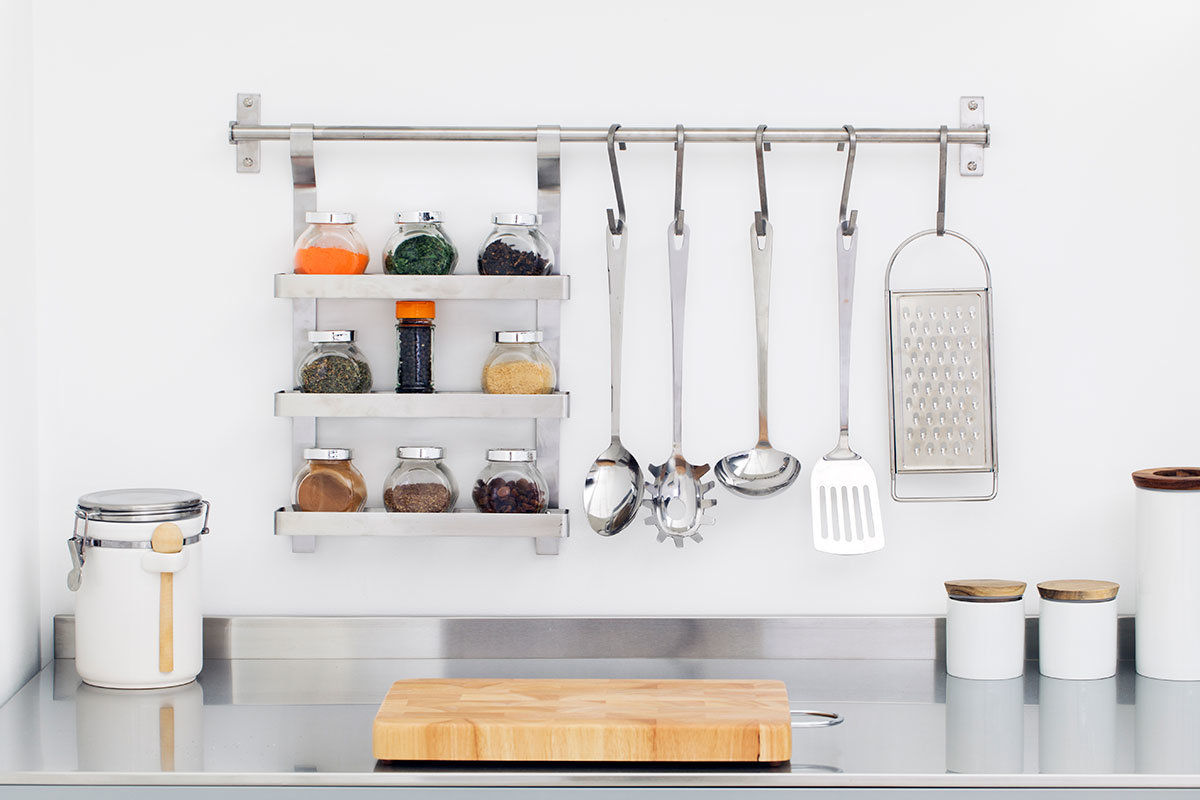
(306,410)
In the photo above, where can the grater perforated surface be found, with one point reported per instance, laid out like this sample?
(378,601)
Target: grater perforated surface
(941,374)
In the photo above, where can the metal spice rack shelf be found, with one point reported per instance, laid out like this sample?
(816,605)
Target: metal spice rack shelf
(247,133)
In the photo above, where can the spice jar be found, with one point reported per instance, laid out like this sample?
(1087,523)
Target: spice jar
(334,365)
(518,365)
(516,246)
(329,482)
(420,483)
(414,346)
(1077,629)
(510,483)
(330,245)
(985,629)
(419,246)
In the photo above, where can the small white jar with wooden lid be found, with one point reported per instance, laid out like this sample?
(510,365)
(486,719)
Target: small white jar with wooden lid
(1077,629)
(985,629)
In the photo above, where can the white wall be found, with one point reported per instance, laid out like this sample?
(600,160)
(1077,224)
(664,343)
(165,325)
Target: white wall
(18,400)
(161,343)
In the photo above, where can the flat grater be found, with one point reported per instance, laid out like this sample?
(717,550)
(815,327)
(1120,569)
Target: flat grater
(941,380)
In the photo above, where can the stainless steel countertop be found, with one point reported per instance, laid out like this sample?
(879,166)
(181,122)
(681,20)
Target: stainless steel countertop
(308,722)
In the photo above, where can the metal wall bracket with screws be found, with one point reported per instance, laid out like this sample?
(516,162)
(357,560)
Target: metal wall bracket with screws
(248,113)
(970,118)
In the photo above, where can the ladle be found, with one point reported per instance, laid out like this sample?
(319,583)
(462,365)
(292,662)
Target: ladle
(761,471)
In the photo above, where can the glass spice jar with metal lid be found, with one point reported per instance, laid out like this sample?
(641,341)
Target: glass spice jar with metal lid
(419,246)
(510,483)
(518,365)
(330,245)
(333,365)
(414,346)
(420,483)
(329,481)
(516,246)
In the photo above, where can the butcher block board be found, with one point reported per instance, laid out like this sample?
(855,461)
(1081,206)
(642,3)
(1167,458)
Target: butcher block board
(584,720)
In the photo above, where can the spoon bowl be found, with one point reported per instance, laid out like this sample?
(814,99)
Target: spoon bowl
(612,490)
(760,472)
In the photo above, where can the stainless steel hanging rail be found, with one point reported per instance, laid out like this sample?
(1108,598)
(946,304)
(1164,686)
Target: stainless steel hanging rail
(242,132)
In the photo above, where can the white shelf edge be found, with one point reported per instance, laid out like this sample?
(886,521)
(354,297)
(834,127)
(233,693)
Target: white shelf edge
(423,287)
(547,529)
(469,405)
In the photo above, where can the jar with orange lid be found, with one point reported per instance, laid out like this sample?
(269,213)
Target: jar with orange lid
(329,481)
(330,245)
(414,346)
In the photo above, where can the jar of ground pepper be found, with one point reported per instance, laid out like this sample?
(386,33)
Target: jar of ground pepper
(414,346)
(510,483)
(516,246)
(518,365)
(333,365)
(420,483)
(329,481)
(330,245)
(419,246)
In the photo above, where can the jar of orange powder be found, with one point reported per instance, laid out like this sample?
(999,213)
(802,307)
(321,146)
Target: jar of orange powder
(330,245)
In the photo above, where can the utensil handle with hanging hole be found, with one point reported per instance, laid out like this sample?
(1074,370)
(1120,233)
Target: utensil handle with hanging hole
(677,257)
(617,252)
(760,265)
(847,252)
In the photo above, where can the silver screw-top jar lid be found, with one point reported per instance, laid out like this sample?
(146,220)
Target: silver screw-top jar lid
(512,455)
(419,452)
(330,336)
(329,217)
(328,453)
(515,337)
(140,505)
(418,216)
(516,218)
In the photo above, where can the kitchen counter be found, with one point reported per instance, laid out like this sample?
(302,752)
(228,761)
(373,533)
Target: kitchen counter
(258,720)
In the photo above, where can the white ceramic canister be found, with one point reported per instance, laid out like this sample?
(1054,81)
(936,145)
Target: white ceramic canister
(1077,629)
(985,629)
(1167,629)
(121,641)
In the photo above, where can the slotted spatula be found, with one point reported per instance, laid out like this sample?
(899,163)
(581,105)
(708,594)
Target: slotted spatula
(845,495)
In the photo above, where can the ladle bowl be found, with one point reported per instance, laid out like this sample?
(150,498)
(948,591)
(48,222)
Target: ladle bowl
(760,472)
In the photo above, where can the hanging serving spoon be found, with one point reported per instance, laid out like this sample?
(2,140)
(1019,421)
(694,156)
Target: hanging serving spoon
(677,503)
(761,471)
(613,488)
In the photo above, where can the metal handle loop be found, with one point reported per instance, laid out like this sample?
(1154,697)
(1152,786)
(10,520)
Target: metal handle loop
(679,138)
(848,225)
(823,719)
(615,225)
(760,217)
(987,272)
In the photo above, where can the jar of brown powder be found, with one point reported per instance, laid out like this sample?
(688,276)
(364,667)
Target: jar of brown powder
(328,481)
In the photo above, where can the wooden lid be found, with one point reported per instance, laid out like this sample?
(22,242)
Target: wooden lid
(985,589)
(1078,590)
(1177,478)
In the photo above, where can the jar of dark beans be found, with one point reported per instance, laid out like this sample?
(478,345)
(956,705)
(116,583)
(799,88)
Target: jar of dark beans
(333,365)
(516,246)
(510,483)
(420,483)
(414,346)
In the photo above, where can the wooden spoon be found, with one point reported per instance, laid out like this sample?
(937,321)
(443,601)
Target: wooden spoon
(167,538)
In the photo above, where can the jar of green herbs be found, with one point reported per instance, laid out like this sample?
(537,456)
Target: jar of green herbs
(333,365)
(419,246)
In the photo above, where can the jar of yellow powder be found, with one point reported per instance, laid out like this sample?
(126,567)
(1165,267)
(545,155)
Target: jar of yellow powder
(518,365)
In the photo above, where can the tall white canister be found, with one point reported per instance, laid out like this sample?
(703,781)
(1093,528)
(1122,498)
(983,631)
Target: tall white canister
(136,574)
(1167,628)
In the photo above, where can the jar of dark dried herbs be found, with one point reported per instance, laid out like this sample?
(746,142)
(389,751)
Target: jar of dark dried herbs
(333,365)
(516,246)
(419,246)
(510,483)
(414,346)
(420,483)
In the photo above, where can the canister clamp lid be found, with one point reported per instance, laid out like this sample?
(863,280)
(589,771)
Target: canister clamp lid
(1078,591)
(1169,478)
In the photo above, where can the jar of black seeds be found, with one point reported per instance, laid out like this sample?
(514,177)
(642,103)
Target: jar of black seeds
(333,365)
(414,346)
(511,483)
(516,246)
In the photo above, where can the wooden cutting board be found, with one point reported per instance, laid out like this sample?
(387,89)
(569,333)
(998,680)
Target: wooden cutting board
(584,720)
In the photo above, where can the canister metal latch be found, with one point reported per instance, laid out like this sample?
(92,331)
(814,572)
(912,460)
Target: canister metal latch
(75,576)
